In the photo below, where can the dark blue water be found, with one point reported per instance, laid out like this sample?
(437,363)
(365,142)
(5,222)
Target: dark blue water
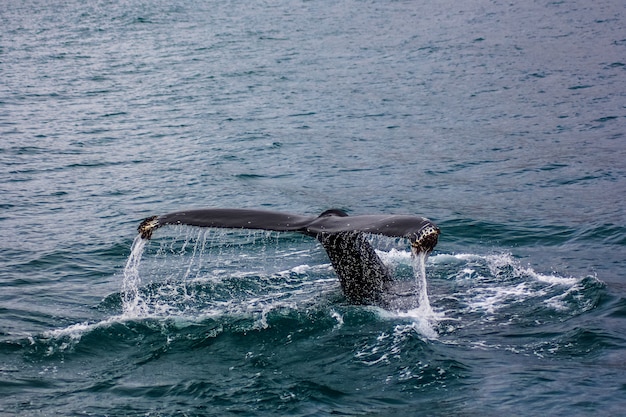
(502,122)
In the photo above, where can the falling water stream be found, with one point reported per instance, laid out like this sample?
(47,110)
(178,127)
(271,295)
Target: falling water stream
(133,304)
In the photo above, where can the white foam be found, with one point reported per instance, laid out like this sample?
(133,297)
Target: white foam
(552,279)
(337,316)
(446,258)
(76,331)
(420,323)
(494,298)
(394,256)
(496,281)
(498,262)
(304,269)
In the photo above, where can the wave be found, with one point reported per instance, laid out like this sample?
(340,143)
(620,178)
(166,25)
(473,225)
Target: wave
(241,285)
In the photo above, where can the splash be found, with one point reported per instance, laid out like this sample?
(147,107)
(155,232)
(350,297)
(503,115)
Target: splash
(133,306)
(424,319)
(239,284)
(413,305)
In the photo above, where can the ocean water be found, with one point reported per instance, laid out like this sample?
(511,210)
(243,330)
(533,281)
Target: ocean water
(502,122)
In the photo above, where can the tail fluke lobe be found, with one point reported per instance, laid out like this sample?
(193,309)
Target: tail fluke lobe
(147,226)
(425,239)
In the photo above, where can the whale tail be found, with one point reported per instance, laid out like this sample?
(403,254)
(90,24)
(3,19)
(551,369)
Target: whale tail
(362,275)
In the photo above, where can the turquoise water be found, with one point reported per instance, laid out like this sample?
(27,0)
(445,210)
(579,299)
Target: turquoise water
(503,123)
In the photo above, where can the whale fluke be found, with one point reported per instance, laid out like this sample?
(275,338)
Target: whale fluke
(363,276)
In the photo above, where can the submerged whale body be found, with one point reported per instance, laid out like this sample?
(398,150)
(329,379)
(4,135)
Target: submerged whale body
(363,277)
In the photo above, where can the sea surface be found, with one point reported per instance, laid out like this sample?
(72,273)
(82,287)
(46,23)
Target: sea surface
(503,122)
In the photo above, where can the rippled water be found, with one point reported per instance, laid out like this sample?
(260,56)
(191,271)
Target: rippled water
(503,123)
